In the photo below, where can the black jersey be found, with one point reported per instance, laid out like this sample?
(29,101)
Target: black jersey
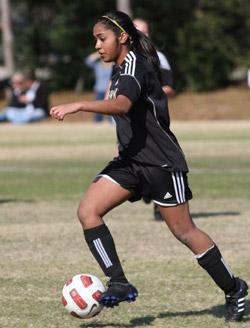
(143,133)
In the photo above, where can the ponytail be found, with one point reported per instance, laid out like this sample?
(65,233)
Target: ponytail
(119,22)
(143,45)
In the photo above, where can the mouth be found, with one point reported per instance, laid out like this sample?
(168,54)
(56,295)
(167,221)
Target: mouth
(102,56)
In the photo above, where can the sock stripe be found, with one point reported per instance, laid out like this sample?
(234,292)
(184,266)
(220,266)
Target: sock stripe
(103,254)
(213,262)
(222,260)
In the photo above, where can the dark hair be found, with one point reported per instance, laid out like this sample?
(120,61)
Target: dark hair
(138,41)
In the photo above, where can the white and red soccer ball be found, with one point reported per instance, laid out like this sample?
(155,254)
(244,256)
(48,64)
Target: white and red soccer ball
(81,294)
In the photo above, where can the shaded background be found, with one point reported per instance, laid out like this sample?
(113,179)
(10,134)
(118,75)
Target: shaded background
(206,41)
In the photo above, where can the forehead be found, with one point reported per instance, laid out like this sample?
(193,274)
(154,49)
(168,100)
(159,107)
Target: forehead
(99,28)
(141,25)
(17,79)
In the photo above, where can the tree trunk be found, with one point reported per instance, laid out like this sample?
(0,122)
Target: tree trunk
(124,5)
(7,37)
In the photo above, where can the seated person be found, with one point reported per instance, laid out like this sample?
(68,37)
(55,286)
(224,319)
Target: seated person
(29,100)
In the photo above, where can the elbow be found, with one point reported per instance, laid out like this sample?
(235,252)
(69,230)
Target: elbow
(124,105)
(124,110)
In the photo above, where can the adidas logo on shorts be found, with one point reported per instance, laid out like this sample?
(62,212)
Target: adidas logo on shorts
(167,196)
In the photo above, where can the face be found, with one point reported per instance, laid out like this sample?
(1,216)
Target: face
(18,82)
(141,26)
(108,45)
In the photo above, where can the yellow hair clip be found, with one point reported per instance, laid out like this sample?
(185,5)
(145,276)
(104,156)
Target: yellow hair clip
(115,22)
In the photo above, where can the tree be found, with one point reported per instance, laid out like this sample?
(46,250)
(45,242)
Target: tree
(212,44)
(57,36)
(204,39)
(124,5)
(7,37)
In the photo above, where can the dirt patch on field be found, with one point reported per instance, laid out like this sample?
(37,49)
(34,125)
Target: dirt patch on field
(227,104)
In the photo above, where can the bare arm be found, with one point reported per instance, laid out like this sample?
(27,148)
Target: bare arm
(169,91)
(118,106)
(107,91)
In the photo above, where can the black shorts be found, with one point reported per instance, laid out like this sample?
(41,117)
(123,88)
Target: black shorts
(165,188)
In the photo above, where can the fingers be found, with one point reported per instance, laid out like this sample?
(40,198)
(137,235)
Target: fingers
(57,113)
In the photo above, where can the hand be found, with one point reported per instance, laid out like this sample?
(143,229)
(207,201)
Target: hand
(59,112)
(23,99)
(94,56)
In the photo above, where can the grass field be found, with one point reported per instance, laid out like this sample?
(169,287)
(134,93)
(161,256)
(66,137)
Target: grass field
(45,168)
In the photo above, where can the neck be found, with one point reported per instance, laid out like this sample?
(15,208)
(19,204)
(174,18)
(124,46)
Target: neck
(122,55)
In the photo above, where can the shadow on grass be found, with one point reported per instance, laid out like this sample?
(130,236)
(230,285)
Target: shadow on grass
(201,215)
(217,311)
(13,200)
(7,200)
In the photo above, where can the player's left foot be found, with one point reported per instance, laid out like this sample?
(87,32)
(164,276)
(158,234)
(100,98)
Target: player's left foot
(235,302)
(118,292)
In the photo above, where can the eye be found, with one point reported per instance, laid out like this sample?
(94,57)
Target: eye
(99,38)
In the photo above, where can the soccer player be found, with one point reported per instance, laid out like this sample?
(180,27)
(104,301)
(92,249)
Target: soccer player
(150,160)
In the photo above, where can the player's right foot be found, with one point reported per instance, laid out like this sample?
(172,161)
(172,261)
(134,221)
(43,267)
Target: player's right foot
(118,292)
(235,302)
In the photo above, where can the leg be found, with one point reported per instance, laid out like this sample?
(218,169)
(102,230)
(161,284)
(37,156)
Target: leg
(182,226)
(14,115)
(209,257)
(98,117)
(101,197)
(37,115)
(3,116)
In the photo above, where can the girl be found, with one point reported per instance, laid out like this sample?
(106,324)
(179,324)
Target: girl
(150,162)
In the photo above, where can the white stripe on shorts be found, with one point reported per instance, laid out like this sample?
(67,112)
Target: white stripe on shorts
(107,177)
(164,204)
(179,187)
(103,254)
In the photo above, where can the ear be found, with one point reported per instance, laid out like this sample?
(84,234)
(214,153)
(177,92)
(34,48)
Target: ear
(123,38)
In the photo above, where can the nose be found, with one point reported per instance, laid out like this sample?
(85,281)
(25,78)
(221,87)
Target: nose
(97,44)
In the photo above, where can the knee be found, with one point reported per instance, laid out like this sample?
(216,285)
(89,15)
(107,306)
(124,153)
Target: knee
(88,216)
(83,213)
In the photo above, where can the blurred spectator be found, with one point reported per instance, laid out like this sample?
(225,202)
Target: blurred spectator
(102,73)
(248,78)
(166,72)
(29,100)
(4,80)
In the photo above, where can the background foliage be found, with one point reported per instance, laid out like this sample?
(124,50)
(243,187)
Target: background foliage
(204,40)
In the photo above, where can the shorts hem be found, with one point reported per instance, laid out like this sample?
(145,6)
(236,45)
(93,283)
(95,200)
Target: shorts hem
(168,204)
(106,176)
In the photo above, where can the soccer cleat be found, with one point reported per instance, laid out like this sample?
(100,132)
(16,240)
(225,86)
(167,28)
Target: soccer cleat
(235,302)
(118,292)
(157,213)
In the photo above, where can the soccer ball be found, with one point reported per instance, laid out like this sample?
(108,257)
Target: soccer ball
(80,295)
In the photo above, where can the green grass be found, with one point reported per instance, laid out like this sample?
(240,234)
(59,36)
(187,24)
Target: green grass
(65,179)
(45,169)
